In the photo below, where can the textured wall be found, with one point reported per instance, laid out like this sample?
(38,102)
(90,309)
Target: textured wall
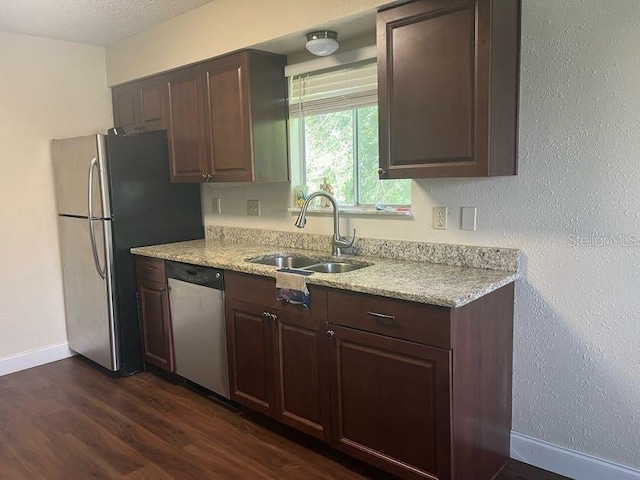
(577,336)
(577,325)
(48,89)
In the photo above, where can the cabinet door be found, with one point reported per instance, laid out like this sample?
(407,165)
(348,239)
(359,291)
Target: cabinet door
(228,118)
(185,126)
(126,107)
(436,91)
(250,350)
(139,106)
(390,403)
(152,109)
(155,318)
(301,374)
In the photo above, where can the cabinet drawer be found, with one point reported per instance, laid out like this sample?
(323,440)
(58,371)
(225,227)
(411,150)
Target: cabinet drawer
(151,269)
(262,291)
(415,322)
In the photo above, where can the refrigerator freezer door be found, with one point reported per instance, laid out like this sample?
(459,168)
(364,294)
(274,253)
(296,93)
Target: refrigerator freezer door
(88,297)
(72,168)
(146,209)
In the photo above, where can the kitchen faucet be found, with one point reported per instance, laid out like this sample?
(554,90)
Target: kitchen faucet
(339,242)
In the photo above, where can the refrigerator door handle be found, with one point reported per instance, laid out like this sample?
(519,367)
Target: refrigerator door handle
(92,232)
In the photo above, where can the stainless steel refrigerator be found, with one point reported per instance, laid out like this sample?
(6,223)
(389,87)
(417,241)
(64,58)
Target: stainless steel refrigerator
(113,193)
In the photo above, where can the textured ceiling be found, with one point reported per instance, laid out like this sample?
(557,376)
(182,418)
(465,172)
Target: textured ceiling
(97,22)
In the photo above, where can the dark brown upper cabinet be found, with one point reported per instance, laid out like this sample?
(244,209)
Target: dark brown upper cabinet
(140,106)
(188,160)
(448,88)
(227,120)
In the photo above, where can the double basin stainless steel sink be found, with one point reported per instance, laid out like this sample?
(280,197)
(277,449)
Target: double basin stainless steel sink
(307,263)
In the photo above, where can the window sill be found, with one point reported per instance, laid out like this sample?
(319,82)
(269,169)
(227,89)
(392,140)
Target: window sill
(355,211)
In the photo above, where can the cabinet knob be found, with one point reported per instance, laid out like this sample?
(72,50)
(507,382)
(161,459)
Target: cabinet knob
(209,177)
(382,172)
(331,334)
(204,177)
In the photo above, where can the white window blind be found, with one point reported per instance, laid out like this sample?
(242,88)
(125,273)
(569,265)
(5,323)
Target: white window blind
(333,90)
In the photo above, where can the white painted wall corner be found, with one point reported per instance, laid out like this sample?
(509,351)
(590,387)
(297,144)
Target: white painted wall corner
(33,358)
(564,461)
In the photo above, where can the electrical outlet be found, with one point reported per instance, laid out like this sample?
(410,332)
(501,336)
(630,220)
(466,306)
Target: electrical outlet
(253,208)
(468,216)
(215,205)
(440,218)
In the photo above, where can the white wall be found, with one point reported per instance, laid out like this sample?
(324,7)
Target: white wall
(220,27)
(577,324)
(48,89)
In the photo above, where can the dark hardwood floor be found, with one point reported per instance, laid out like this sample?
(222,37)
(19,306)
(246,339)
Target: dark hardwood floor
(68,420)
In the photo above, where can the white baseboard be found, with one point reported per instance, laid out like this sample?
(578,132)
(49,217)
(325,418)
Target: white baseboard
(564,461)
(33,358)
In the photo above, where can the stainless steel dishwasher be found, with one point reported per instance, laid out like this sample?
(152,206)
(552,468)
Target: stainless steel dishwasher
(196,296)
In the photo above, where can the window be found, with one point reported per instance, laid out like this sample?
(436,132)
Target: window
(334,133)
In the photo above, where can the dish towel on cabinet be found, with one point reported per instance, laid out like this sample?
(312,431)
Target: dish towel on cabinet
(291,286)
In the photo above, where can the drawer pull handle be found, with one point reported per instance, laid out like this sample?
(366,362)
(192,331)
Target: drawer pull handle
(151,268)
(293,302)
(387,320)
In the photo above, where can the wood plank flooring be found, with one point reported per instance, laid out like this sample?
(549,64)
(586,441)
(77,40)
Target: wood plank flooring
(69,420)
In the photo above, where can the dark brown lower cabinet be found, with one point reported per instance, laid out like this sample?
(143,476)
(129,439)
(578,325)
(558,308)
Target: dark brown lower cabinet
(420,391)
(390,403)
(155,317)
(278,366)
(250,346)
(154,313)
(301,374)
(278,354)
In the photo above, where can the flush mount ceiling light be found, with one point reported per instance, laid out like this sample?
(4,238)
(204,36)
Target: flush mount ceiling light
(322,42)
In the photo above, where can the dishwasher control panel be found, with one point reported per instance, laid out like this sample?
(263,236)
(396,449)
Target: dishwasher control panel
(205,276)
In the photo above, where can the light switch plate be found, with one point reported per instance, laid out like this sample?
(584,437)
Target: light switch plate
(440,218)
(253,208)
(215,205)
(468,217)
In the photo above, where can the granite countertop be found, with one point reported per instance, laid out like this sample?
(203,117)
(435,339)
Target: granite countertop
(423,282)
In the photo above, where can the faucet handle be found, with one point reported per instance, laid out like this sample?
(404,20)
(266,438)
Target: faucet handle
(346,242)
